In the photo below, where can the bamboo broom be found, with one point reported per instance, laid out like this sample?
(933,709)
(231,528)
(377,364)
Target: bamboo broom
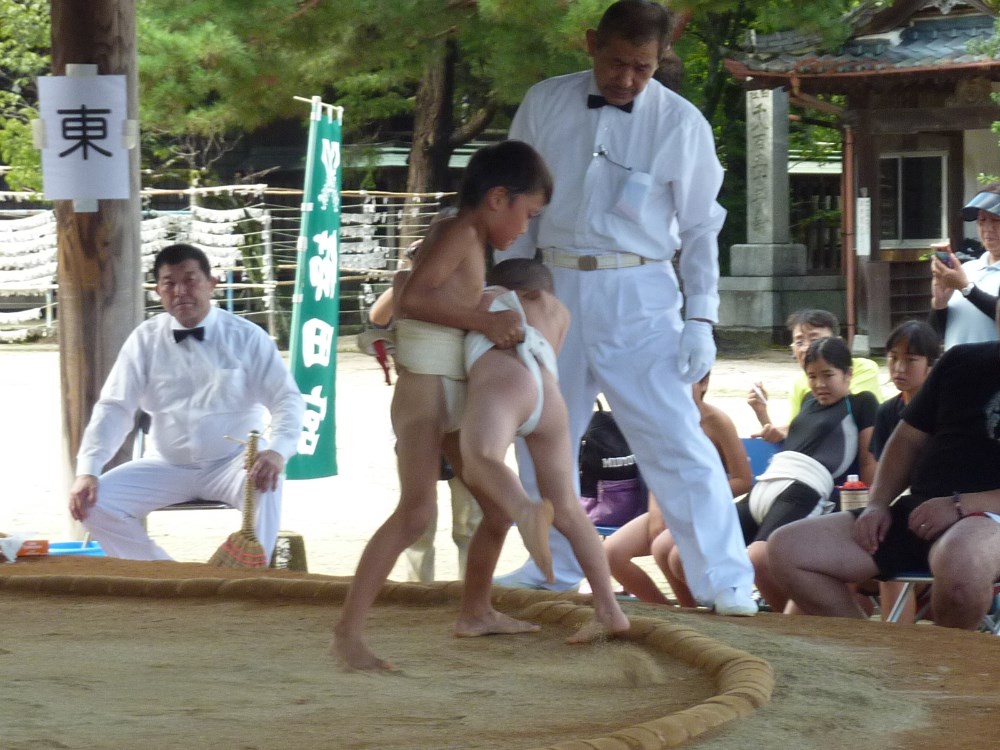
(242,549)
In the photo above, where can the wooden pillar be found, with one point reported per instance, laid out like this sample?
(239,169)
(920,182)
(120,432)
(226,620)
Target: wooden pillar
(100,295)
(874,273)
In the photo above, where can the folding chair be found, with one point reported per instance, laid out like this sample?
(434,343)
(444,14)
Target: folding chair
(138,448)
(909,580)
(759,452)
(991,620)
(289,549)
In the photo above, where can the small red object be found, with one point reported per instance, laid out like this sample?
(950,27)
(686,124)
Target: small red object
(382,357)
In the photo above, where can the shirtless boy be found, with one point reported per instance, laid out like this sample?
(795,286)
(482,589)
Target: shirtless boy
(516,392)
(504,185)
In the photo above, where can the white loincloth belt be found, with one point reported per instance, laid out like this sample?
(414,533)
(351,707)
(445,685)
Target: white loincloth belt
(787,467)
(432,349)
(535,352)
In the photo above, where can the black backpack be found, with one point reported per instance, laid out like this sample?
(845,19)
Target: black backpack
(611,488)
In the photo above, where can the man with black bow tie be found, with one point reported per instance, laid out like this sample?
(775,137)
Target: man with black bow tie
(203,375)
(636,179)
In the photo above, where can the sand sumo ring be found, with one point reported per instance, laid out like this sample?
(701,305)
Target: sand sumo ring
(113,653)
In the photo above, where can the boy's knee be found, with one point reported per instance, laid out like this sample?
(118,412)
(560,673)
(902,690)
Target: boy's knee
(962,575)
(961,603)
(779,544)
(616,557)
(758,554)
(414,524)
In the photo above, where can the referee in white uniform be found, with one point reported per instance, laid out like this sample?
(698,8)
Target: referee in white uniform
(202,374)
(636,178)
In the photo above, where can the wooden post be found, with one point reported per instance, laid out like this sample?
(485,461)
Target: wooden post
(100,294)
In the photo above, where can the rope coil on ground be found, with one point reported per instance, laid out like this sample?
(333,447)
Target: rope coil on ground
(744,682)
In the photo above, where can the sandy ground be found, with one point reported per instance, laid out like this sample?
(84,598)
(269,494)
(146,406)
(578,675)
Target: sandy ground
(335,516)
(248,669)
(245,674)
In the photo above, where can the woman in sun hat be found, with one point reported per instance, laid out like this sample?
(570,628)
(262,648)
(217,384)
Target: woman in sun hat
(964,295)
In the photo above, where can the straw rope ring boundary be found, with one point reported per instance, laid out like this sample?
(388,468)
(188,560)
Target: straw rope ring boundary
(744,682)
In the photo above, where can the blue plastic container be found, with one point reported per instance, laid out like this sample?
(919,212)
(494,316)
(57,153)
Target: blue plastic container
(90,549)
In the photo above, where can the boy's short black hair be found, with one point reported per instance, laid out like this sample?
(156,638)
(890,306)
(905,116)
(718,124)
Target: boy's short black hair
(813,319)
(513,165)
(173,255)
(920,339)
(522,274)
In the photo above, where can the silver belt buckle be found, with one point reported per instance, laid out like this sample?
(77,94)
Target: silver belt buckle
(587,263)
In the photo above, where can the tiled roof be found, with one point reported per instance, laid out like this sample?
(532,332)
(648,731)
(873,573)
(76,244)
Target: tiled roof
(908,35)
(932,43)
(795,41)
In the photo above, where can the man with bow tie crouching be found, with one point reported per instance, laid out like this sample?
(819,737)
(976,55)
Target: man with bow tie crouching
(204,376)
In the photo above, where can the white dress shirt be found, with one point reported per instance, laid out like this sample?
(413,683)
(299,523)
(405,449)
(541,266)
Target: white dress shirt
(196,392)
(643,182)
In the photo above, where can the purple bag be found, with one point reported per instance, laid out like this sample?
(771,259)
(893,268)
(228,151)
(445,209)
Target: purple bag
(618,501)
(612,489)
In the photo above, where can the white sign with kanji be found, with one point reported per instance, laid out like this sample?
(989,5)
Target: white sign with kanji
(84,153)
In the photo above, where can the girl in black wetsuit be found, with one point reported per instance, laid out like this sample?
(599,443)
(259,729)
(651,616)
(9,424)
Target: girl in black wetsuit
(828,437)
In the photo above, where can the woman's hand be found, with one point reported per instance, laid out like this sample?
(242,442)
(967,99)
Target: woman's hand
(950,277)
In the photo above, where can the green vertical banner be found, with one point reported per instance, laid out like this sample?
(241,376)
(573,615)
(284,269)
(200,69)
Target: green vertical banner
(316,302)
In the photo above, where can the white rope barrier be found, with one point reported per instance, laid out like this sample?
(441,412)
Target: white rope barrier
(22,316)
(252,249)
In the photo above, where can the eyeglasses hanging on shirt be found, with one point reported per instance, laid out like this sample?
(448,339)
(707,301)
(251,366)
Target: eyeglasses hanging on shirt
(603,152)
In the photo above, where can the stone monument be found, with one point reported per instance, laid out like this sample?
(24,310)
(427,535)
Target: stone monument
(768,276)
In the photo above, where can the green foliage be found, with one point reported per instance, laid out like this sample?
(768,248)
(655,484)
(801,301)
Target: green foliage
(211,70)
(716,30)
(17,150)
(24,43)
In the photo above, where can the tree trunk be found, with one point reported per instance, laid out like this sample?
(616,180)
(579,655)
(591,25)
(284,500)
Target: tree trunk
(100,295)
(431,150)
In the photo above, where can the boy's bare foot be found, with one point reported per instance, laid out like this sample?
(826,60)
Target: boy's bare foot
(492,623)
(355,655)
(533,525)
(595,630)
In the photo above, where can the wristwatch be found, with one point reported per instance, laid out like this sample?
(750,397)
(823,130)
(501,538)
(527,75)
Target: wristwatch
(967,289)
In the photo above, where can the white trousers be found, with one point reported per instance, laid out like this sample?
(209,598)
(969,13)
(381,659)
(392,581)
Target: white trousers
(130,492)
(623,343)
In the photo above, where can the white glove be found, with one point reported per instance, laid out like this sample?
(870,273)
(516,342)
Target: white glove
(696,353)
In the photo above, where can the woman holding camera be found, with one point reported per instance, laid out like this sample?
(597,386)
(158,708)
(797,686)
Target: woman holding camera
(964,295)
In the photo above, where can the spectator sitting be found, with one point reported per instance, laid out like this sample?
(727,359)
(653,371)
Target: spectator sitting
(912,349)
(946,450)
(807,326)
(648,534)
(826,438)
